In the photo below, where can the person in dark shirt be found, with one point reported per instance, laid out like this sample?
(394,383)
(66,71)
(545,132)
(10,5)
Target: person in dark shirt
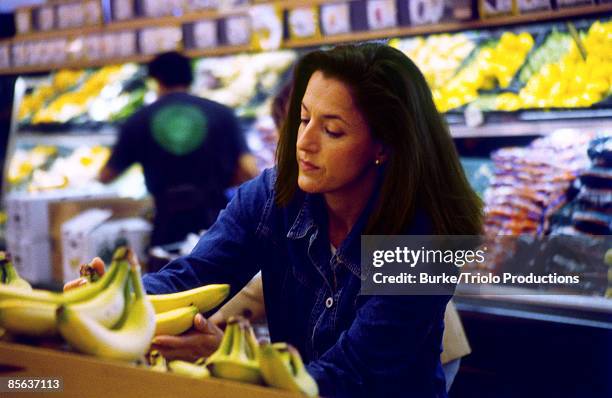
(191,149)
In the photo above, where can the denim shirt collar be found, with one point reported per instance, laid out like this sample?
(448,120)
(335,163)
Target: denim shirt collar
(312,214)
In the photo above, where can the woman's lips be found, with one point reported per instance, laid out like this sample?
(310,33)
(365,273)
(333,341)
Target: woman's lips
(307,166)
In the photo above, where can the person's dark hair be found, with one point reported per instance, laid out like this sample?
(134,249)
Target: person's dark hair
(171,69)
(422,168)
(279,105)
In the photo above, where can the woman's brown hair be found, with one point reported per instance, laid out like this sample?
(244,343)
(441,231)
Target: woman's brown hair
(422,170)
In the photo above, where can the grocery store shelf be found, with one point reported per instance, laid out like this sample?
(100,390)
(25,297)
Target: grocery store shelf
(528,127)
(106,137)
(450,27)
(140,23)
(74,65)
(505,306)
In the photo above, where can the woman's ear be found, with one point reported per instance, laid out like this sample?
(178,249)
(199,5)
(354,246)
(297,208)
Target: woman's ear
(382,153)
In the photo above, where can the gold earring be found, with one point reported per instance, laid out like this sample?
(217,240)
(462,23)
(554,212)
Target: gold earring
(377,162)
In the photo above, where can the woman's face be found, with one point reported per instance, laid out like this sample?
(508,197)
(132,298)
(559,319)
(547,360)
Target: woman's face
(335,150)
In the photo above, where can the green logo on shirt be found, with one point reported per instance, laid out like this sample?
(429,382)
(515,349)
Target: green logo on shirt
(179,129)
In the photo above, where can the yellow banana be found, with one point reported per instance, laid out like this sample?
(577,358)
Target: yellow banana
(282,367)
(188,369)
(175,321)
(241,364)
(108,306)
(71,296)
(36,318)
(30,318)
(10,277)
(204,297)
(157,362)
(128,342)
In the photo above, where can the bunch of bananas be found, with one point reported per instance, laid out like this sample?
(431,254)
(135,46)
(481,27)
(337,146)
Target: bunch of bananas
(174,312)
(158,363)
(110,318)
(240,358)
(495,65)
(572,81)
(282,367)
(237,357)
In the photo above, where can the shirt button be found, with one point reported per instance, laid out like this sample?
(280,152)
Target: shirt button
(329,302)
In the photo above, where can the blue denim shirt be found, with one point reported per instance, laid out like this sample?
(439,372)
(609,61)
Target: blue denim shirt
(354,345)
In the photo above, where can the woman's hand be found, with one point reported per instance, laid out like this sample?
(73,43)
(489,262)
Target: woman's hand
(201,341)
(97,264)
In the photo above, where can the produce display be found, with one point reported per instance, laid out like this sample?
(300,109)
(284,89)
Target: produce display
(94,95)
(50,167)
(437,56)
(530,183)
(112,317)
(575,80)
(236,81)
(493,66)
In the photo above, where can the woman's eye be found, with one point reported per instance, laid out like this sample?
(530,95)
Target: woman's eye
(333,134)
(304,120)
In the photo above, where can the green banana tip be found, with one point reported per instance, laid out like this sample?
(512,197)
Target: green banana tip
(60,313)
(121,253)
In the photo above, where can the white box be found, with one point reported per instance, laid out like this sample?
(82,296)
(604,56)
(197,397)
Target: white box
(75,239)
(28,213)
(32,260)
(133,232)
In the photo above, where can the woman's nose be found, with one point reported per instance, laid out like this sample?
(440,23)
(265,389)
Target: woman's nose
(308,139)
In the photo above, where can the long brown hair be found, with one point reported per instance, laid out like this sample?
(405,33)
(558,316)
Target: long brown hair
(422,170)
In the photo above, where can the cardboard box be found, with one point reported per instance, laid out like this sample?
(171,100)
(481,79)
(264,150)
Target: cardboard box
(28,213)
(108,236)
(75,240)
(60,212)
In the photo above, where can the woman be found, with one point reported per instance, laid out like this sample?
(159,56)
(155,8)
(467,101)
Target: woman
(363,151)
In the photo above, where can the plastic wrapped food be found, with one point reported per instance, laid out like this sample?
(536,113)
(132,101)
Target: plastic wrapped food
(600,151)
(597,177)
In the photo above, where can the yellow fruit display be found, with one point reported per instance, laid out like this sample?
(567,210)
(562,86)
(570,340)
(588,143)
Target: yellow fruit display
(495,65)
(74,103)
(573,82)
(437,56)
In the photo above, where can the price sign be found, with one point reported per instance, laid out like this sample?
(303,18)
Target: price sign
(573,3)
(335,18)
(238,30)
(303,22)
(46,18)
(267,26)
(92,12)
(382,14)
(534,5)
(70,16)
(205,34)
(122,9)
(93,47)
(492,8)
(424,12)
(195,5)
(156,40)
(128,43)
(4,56)
(23,21)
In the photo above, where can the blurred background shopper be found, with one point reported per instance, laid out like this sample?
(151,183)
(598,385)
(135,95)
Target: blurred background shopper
(191,149)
